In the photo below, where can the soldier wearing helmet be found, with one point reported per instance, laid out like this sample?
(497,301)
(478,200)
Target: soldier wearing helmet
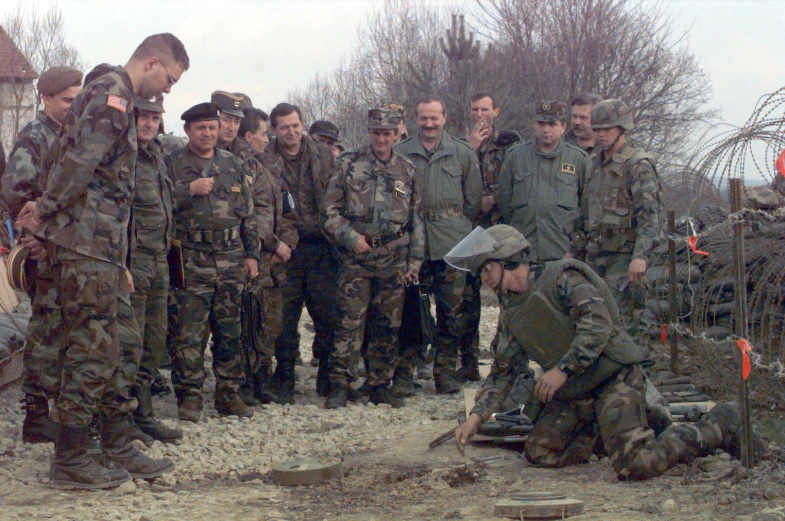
(562,315)
(620,212)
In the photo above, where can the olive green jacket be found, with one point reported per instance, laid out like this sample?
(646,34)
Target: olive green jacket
(451,187)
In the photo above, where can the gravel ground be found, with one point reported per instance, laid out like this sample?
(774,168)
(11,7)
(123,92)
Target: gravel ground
(223,469)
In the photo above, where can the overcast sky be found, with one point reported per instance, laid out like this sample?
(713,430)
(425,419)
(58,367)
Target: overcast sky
(266,47)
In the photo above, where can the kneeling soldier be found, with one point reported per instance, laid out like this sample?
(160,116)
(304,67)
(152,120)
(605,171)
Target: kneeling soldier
(371,207)
(563,316)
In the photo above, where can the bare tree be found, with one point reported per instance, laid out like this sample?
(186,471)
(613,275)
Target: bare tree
(41,40)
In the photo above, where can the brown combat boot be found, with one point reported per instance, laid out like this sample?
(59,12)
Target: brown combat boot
(145,419)
(118,452)
(73,468)
(446,384)
(381,394)
(403,382)
(189,409)
(38,427)
(232,405)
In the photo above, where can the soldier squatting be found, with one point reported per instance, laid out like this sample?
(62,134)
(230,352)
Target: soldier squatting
(562,236)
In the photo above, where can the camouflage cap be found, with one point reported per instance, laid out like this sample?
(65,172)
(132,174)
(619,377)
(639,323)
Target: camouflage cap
(611,113)
(228,102)
(324,128)
(550,111)
(397,108)
(201,112)
(383,118)
(155,105)
(57,79)
(246,102)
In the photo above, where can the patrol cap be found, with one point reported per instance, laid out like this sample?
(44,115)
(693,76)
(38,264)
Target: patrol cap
(551,111)
(245,102)
(155,105)
(397,108)
(202,112)
(383,118)
(500,242)
(228,102)
(57,79)
(323,128)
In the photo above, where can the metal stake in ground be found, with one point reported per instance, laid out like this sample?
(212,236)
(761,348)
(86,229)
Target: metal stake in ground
(674,315)
(740,294)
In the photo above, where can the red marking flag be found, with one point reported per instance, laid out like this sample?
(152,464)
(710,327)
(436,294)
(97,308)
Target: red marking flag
(693,242)
(780,163)
(664,333)
(746,365)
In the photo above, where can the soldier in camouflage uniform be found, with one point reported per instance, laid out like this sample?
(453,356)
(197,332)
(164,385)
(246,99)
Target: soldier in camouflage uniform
(84,212)
(275,256)
(449,177)
(620,220)
(370,208)
(580,133)
(541,184)
(491,146)
(217,229)
(304,166)
(592,384)
(150,234)
(23,182)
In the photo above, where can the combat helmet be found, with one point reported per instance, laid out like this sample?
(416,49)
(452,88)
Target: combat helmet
(500,242)
(611,113)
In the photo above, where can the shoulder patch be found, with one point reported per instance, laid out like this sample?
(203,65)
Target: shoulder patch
(567,168)
(117,102)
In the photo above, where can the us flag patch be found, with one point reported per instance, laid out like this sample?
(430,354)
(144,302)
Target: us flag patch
(116,102)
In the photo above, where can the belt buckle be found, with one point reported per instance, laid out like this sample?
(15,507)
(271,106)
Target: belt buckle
(376,242)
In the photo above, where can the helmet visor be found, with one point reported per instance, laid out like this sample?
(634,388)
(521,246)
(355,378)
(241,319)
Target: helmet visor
(472,250)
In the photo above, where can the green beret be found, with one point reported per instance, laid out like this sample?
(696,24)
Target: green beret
(550,111)
(57,79)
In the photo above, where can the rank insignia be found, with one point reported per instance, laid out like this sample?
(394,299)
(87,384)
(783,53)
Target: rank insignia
(567,168)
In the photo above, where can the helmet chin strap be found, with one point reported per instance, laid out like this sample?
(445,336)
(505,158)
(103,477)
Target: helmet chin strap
(610,147)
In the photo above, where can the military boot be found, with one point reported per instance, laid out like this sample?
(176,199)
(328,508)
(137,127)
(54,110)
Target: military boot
(728,418)
(381,394)
(160,386)
(659,418)
(38,427)
(470,369)
(284,382)
(261,384)
(189,409)
(339,394)
(135,433)
(144,417)
(323,378)
(424,371)
(119,453)
(230,404)
(73,468)
(247,393)
(403,382)
(446,383)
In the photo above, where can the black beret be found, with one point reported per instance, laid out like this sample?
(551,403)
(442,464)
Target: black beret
(57,79)
(323,128)
(201,112)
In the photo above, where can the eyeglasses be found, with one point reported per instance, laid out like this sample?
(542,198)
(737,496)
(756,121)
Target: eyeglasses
(169,78)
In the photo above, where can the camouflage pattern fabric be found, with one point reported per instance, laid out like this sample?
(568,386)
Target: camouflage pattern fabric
(630,297)
(130,344)
(469,343)
(217,232)
(273,323)
(23,178)
(149,302)
(86,204)
(565,431)
(491,158)
(373,199)
(539,192)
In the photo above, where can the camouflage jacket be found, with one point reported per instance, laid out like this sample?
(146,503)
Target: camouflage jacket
(284,230)
(86,204)
(152,223)
(621,207)
(451,185)
(491,157)
(23,178)
(566,299)
(261,191)
(376,200)
(306,186)
(222,220)
(539,192)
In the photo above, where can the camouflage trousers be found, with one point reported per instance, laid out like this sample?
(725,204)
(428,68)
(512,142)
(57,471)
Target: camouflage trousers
(371,302)
(45,344)
(93,301)
(311,279)
(149,300)
(214,284)
(447,286)
(630,297)
(131,349)
(566,431)
(469,344)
